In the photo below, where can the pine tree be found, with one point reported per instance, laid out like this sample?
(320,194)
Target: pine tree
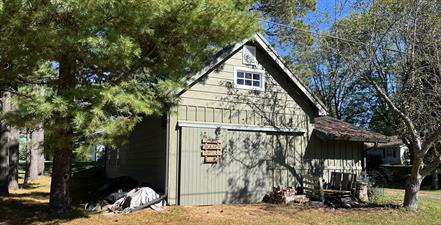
(98,66)
(8,149)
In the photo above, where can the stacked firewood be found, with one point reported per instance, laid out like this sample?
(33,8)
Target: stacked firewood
(284,195)
(280,193)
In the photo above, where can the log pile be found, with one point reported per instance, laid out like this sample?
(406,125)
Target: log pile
(280,193)
(284,195)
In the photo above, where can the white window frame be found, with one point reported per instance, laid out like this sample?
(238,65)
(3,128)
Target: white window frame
(250,70)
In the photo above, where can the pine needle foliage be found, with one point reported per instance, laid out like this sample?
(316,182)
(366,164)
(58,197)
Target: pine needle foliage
(128,57)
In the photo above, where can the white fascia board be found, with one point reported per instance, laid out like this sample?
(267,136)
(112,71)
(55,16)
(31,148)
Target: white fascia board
(272,53)
(210,66)
(241,127)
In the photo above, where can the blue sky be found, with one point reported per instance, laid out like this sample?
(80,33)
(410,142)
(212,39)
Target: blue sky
(329,6)
(334,9)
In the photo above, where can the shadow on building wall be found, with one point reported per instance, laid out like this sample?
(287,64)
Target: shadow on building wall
(265,159)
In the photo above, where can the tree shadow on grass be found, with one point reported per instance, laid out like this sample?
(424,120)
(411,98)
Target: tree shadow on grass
(22,212)
(383,205)
(29,186)
(34,195)
(31,206)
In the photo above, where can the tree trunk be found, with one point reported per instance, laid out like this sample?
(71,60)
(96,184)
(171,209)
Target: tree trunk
(411,194)
(435,180)
(28,163)
(60,198)
(9,150)
(35,155)
(41,166)
(13,146)
(41,151)
(4,160)
(413,186)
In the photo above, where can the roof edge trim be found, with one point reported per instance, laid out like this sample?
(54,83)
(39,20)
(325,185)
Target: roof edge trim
(273,54)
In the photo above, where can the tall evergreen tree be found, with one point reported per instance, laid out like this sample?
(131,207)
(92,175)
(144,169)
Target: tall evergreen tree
(8,148)
(4,158)
(101,65)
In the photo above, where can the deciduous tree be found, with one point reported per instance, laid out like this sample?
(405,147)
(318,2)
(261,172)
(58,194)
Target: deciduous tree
(400,39)
(393,48)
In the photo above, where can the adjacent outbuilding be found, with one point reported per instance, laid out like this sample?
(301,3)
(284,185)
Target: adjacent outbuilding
(245,124)
(393,152)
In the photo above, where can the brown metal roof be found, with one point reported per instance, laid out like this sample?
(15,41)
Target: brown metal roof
(333,129)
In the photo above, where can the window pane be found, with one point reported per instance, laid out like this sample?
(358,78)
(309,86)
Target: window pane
(240,81)
(256,83)
(248,82)
(389,152)
(239,74)
(248,75)
(256,76)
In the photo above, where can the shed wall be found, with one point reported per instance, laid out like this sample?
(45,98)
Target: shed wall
(237,178)
(143,158)
(323,157)
(213,99)
(252,163)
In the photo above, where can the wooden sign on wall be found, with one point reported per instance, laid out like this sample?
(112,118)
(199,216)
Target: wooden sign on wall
(211,150)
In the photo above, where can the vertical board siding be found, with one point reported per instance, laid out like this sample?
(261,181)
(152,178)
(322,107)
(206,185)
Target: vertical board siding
(238,116)
(253,162)
(242,175)
(143,158)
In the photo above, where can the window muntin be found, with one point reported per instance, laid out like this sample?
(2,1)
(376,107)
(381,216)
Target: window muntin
(249,79)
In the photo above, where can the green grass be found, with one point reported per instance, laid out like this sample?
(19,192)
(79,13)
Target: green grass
(29,206)
(434,191)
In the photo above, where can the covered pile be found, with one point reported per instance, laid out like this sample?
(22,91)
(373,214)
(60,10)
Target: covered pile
(122,201)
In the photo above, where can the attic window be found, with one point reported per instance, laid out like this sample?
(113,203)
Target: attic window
(249,79)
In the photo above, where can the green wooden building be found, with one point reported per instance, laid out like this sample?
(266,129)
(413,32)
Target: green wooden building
(245,124)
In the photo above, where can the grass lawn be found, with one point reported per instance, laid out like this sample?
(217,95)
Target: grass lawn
(434,191)
(29,206)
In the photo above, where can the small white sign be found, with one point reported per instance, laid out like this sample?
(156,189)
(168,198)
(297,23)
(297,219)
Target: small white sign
(249,55)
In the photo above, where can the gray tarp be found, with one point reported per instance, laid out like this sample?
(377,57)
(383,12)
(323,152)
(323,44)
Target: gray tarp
(136,198)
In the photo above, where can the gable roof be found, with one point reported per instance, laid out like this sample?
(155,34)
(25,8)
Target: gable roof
(333,129)
(225,53)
